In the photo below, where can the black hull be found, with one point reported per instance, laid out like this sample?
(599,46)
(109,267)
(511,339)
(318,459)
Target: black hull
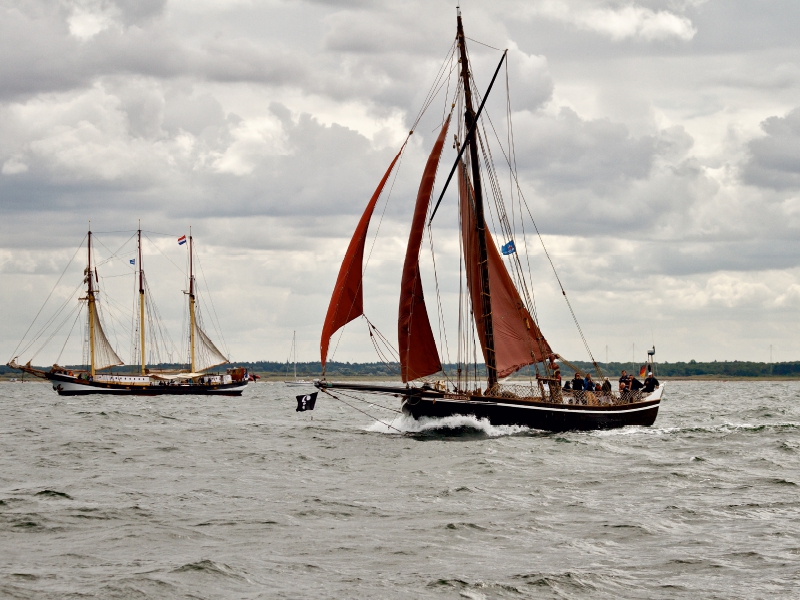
(546,417)
(422,402)
(71,386)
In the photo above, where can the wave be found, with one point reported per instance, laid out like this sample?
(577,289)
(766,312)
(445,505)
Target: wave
(455,423)
(719,428)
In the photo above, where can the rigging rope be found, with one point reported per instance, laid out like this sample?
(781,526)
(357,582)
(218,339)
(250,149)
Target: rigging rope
(14,354)
(361,411)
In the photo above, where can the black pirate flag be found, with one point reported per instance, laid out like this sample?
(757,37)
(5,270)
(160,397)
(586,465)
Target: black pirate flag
(306,402)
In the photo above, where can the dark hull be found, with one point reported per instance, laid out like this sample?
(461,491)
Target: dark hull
(547,417)
(70,386)
(420,403)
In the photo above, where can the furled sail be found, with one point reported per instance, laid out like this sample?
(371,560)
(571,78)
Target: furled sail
(517,339)
(347,300)
(104,355)
(418,354)
(206,355)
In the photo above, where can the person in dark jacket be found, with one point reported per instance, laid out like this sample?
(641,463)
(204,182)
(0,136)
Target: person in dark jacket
(650,384)
(624,381)
(567,386)
(577,382)
(636,384)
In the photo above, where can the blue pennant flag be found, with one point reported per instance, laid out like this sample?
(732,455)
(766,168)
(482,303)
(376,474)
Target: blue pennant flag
(508,248)
(132,261)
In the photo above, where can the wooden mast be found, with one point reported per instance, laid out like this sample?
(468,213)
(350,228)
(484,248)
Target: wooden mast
(141,301)
(90,300)
(191,303)
(486,304)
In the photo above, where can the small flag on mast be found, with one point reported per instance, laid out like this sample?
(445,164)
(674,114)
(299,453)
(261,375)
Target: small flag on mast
(306,402)
(132,261)
(182,240)
(643,371)
(508,248)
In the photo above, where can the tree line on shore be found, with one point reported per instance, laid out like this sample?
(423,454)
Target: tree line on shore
(692,368)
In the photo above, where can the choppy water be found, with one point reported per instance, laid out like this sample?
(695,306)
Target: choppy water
(245,498)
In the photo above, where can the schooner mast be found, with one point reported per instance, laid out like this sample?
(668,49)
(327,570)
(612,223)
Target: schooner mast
(91,303)
(141,302)
(485,307)
(191,304)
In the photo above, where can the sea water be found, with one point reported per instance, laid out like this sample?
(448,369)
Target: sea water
(204,497)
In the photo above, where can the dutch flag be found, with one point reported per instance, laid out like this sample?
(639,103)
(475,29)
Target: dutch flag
(182,240)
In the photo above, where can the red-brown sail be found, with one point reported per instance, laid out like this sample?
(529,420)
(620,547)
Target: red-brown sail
(517,339)
(347,300)
(418,354)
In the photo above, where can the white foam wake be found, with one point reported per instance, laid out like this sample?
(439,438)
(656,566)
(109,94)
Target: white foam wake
(408,424)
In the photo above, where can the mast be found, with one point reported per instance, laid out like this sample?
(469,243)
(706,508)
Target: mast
(294,347)
(141,300)
(486,304)
(191,303)
(90,300)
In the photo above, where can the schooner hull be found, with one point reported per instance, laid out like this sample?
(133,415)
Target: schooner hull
(543,416)
(71,386)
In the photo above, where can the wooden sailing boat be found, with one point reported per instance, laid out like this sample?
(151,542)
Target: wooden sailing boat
(99,378)
(293,354)
(508,334)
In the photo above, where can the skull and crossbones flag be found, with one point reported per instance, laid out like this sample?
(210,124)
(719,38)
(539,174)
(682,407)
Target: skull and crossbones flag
(306,402)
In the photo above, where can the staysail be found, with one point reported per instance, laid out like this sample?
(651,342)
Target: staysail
(104,355)
(207,355)
(518,340)
(347,300)
(418,354)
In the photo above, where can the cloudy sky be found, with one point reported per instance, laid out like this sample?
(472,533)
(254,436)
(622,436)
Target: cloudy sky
(658,146)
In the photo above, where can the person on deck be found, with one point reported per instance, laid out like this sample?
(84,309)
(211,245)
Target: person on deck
(577,382)
(606,386)
(635,384)
(588,384)
(624,381)
(567,386)
(650,384)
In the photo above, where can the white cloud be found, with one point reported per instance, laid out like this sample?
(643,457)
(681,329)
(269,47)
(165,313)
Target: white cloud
(631,21)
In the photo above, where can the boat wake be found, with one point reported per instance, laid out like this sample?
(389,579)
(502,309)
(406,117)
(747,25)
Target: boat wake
(453,425)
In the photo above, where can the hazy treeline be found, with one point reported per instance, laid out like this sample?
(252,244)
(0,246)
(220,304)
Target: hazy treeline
(392,370)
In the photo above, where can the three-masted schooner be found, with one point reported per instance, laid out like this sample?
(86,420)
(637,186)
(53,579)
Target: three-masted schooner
(99,378)
(507,332)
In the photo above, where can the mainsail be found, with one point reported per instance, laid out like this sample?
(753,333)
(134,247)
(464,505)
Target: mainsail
(207,355)
(418,354)
(518,340)
(347,300)
(104,355)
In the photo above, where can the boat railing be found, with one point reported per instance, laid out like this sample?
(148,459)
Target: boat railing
(551,392)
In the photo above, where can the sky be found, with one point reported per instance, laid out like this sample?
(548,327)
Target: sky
(657,145)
